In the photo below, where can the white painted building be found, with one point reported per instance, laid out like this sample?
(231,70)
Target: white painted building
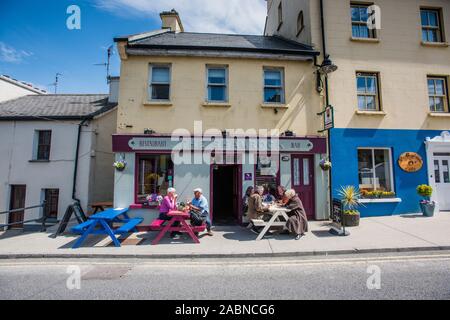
(39,135)
(11,88)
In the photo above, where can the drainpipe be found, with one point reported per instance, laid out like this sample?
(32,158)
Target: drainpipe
(327,98)
(75,169)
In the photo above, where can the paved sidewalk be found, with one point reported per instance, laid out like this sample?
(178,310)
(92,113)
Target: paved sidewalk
(383,234)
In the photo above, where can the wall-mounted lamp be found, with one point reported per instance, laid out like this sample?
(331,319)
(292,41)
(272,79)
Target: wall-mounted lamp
(324,69)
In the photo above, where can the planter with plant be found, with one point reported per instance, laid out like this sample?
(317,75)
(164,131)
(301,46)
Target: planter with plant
(325,165)
(350,197)
(426,205)
(120,165)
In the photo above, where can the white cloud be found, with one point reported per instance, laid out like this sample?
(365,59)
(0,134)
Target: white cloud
(12,55)
(214,16)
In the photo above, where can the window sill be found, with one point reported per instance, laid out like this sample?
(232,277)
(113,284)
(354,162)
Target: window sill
(370,113)
(216,104)
(39,161)
(158,103)
(274,105)
(435,44)
(367,40)
(385,200)
(439,114)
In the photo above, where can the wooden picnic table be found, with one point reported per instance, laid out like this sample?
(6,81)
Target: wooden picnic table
(176,216)
(102,224)
(100,206)
(276,212)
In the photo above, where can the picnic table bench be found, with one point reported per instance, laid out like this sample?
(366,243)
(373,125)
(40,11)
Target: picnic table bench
(275,221)
(102,224)
(164,226)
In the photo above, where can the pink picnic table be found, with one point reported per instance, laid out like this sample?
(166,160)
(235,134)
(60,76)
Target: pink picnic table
(181,217)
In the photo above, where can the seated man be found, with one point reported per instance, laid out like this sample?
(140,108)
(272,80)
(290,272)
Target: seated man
(200,205)
(256,210)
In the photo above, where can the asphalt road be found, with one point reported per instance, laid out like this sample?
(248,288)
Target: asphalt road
(415,276)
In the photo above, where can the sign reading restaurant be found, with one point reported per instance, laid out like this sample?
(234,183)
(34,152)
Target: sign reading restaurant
(134,143)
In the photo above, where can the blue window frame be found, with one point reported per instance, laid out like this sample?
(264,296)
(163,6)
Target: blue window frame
(217,84)
(273,86)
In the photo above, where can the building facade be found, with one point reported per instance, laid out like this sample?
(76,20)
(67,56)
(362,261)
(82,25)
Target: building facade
(39,148)
(11,88)
(202,85)
(390,93)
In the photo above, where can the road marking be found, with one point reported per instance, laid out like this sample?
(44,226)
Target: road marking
(230,263)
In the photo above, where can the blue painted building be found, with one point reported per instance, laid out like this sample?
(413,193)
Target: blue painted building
(368,158)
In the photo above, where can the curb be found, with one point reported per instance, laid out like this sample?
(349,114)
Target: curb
(222,256)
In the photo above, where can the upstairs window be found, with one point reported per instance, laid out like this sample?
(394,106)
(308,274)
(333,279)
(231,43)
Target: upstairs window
(368,94)
(280,15)
(431,25)
(43,138)
(217,84)
(273,86)
(159,82)
(437,94)
(360,16)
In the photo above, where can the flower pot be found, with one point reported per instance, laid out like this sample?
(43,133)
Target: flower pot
(120,169)
(427,209)
(351,220)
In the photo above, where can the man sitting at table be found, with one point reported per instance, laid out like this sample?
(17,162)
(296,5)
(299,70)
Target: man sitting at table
(256,210)
(169,203)
(200,205)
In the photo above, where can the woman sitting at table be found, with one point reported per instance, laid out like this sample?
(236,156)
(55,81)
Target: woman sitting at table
(169,203)
(281,198)
(298,222)
(256,210)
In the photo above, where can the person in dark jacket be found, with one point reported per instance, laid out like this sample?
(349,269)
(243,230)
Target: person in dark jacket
(298,222)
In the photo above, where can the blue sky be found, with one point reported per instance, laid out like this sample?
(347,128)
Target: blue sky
(35,43)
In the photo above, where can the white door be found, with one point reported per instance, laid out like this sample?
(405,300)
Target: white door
(442,177)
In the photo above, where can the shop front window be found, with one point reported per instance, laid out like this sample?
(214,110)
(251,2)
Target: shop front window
(375,170)
(155,176)
(267,174)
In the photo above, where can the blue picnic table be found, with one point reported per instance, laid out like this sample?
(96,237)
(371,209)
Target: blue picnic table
(102,224)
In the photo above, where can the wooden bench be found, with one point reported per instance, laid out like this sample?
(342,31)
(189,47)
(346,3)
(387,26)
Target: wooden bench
(81,228)
(158,225)
(130,226)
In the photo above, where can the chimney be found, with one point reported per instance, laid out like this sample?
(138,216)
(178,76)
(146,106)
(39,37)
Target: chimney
(171,20)
(114,89)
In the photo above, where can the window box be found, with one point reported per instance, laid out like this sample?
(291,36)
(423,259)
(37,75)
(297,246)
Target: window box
(367,40)
(435,44)
(371,113)
(216,104)
(158,103)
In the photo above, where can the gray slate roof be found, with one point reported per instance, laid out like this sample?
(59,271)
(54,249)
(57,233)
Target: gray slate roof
(230,42)
(61,106)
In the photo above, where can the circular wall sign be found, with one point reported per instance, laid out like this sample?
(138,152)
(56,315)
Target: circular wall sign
(410,162)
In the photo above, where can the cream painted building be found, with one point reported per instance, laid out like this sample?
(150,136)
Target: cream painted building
(172,79)
(390,92)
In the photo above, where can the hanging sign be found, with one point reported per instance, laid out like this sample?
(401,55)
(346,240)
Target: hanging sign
(328,118)
(410,162)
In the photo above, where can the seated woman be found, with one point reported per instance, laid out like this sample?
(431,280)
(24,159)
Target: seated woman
(298,222)
(269,195)
(169,203)
(248,194)
(281,198)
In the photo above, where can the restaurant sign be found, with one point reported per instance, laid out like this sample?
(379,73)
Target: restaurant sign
(410,162)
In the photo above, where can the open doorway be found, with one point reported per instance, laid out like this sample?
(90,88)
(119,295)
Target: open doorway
(226,194)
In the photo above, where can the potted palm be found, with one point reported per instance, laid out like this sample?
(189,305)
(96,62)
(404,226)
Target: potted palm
(426,205)
(350,200)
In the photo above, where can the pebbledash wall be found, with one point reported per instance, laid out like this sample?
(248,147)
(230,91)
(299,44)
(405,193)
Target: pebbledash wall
(345,144)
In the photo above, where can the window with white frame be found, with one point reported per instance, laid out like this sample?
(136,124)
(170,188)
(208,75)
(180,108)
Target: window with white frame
(437,94)
(368,92)
(159,87)
(375,170)
(431,25)
(360,16)
(217,78)
(273,85)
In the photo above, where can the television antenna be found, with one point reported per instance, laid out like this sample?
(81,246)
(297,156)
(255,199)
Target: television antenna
(55,84)
(107,64)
